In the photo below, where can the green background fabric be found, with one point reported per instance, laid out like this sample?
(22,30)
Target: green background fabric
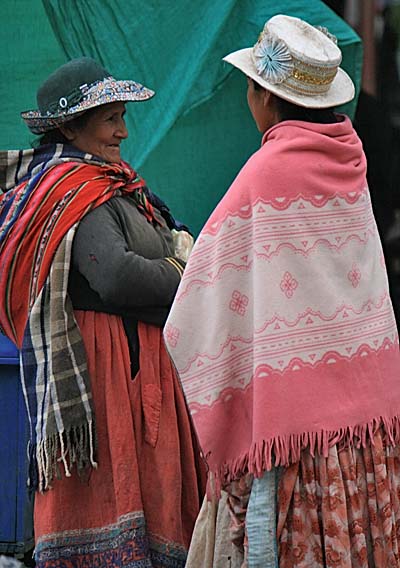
(29,51)
(191,139)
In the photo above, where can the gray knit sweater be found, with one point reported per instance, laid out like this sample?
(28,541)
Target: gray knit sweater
(119,266)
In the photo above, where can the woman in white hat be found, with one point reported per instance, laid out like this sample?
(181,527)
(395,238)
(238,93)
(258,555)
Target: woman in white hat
(88,273)
(292,369)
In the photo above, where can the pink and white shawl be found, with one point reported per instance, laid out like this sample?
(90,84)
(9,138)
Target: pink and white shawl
(282,330)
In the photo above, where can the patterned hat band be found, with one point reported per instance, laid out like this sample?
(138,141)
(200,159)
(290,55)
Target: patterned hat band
(64,103)
(85,96)
(276,64)
(310,79)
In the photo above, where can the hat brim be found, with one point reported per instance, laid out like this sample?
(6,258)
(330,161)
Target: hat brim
(121,91)
(340,92)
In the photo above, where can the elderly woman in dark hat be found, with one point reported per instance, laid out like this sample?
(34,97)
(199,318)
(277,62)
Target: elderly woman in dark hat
(88,274)
(292,371)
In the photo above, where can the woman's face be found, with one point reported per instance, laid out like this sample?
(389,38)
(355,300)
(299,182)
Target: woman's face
(259,101)
(103,133)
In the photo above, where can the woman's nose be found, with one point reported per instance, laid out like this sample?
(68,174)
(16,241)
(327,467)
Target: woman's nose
(122,131)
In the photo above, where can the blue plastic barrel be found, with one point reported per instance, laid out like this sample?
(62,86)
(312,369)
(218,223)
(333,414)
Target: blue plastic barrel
(16,504)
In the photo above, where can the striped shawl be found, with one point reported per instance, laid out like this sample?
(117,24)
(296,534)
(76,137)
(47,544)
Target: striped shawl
(51,190)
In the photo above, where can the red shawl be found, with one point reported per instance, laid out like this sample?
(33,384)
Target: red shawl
(35,216)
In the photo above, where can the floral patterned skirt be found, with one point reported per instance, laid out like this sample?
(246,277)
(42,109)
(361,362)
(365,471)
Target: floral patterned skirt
(343,510)
(339,511)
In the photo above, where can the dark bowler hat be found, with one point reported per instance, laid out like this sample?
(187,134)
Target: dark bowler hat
(77,86)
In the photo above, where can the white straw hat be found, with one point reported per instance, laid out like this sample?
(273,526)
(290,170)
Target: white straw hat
(297,62)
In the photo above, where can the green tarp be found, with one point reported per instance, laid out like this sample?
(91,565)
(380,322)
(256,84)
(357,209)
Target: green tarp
(192,138)
(29,51)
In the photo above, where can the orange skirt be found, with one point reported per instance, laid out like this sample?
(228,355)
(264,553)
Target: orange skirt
(138,508)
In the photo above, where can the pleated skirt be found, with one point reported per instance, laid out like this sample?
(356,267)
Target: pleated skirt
(138,508)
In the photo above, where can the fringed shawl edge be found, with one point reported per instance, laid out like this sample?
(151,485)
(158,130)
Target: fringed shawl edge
(284,450)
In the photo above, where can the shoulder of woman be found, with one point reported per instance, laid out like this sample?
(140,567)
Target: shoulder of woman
(267,162)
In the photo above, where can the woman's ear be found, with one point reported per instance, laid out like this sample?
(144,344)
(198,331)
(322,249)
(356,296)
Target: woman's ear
(68,132)
(267,97)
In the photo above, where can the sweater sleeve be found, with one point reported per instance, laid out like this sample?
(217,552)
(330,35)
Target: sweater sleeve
(119,276)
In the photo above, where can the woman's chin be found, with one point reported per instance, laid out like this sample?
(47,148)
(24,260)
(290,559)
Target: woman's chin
(112,155)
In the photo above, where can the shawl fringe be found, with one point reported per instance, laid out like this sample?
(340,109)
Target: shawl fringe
(285,450)
(73,447)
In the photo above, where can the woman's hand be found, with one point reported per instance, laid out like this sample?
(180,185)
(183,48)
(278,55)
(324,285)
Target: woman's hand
(183,244)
